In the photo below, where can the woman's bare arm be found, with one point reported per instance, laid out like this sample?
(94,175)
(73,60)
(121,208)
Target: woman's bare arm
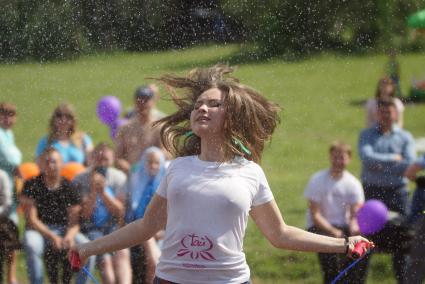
(130,235)
(270,222)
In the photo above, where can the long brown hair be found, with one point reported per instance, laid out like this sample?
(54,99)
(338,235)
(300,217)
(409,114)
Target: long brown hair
(250,119)
(385,81)
(76,137)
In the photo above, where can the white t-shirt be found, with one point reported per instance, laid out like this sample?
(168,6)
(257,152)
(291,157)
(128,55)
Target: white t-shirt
(333,196)
(208,205)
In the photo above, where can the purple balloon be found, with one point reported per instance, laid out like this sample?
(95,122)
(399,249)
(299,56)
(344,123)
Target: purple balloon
(115,125)
(108,109)
(372,216)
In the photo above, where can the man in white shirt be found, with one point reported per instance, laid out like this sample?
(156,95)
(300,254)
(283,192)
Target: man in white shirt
(334,196)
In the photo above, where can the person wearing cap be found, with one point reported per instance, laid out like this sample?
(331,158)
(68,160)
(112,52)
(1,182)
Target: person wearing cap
(149,90)
(138,133)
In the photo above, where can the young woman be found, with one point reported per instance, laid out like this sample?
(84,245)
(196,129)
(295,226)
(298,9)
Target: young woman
(203,202)
(73,145)
(386,88)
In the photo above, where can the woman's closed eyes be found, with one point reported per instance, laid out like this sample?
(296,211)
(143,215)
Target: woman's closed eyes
(208,103)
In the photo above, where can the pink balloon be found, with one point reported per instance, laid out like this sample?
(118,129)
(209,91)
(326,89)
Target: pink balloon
(108,109)
(372,216)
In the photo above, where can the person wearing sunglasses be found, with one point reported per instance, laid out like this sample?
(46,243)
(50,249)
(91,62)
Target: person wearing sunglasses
(63,135)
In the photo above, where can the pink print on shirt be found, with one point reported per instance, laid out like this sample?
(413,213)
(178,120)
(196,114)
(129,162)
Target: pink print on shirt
(196,246)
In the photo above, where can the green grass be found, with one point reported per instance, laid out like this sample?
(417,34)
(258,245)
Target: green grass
(319,97)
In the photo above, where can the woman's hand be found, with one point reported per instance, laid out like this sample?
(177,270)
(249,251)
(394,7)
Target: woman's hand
(352,241)
(77,251)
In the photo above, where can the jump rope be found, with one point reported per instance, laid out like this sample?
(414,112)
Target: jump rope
(74,258)
(359,252)
(75,261)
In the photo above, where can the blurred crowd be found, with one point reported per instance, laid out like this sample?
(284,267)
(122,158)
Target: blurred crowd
(77,190)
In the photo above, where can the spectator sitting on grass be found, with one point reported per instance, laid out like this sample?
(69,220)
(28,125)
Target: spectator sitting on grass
(144,181)
(73,145)
(52,210)
(10,158)
(9,235)
(102,190)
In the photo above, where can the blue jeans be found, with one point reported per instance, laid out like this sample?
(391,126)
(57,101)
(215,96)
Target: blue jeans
(35,244)
(95,233)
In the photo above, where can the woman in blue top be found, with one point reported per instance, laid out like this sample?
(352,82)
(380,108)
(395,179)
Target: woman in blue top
(144,181)
(73,145)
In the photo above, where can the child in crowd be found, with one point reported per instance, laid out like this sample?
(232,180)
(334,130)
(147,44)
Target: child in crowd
(144,182)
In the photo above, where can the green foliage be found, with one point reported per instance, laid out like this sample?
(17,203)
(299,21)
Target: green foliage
(50,29)
(52,32)
(10,44)
(297,27)
(43,30)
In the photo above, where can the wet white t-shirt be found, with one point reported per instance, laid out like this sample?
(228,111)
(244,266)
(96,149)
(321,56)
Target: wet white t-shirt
(208,206)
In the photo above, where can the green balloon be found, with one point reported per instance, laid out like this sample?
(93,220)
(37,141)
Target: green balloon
(417,20)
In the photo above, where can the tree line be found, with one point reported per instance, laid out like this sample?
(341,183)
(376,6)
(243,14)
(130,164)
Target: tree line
(53,29)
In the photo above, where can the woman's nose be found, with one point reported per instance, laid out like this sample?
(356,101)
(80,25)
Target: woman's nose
(203,108)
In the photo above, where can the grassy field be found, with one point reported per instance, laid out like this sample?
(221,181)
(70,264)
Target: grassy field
(320,99)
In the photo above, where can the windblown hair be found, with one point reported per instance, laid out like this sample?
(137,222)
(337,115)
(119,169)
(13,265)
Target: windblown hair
(76,137)
(249,118)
